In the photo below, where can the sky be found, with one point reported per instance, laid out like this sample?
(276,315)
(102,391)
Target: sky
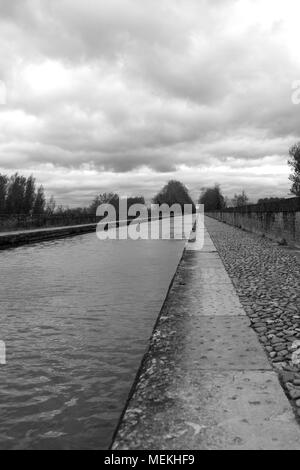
(124,95)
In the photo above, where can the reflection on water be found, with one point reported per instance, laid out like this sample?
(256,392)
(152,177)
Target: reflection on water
(76,315)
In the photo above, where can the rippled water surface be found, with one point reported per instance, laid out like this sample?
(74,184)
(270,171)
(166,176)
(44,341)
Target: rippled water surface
(76,315)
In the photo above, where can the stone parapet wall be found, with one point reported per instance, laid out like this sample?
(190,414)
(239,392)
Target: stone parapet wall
(282,226)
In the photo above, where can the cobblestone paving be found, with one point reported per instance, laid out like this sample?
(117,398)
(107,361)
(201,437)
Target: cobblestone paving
(267,280)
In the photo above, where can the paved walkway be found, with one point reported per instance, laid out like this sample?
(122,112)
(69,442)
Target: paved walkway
(206,382)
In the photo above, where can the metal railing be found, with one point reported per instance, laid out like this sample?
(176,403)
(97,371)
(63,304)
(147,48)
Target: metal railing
(285,205)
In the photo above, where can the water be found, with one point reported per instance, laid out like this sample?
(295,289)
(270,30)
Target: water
(76,315)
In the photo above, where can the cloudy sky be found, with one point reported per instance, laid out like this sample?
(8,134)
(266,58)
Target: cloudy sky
(124,95)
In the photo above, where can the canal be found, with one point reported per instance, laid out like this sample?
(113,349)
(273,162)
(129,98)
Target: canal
(76,315)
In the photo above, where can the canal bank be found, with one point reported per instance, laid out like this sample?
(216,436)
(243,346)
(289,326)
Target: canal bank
(24,237)
(205,381)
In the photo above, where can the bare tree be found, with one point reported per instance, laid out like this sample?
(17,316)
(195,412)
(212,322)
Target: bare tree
(294,162)
(30,195)
(240,200)
(51,206)
(40,202)
(212,198)
(3,192)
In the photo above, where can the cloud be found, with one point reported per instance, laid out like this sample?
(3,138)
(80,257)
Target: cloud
(137,91)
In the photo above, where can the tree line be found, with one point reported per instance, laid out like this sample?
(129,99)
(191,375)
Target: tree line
(19,195)
(214,199)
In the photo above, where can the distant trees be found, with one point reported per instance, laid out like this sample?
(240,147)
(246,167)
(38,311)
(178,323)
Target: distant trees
(104,198)
(174,192)
(212,198)
(135,200)
(114,199)
(294,162)
(3,192)
(18,195)
(51,206)
(30,195)
(15,199)
(40,202)
(240,200)
(266,200)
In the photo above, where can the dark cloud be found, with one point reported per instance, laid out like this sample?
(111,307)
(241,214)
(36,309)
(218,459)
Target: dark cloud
(137,91)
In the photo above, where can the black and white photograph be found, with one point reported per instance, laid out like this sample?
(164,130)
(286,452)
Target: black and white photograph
(149,227)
